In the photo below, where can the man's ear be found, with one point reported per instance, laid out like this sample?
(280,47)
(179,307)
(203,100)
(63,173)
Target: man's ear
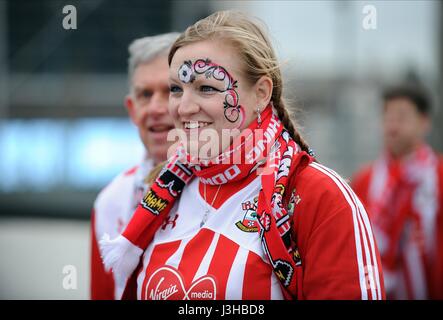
(130,106)
(263,89)
(426,125)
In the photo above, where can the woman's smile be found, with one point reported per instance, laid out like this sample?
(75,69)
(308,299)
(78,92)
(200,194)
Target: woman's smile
(195,124)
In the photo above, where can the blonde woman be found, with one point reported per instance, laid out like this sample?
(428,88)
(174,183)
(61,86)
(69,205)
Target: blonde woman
(249,214)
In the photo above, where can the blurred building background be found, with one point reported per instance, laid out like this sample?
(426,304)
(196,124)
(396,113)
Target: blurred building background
(64,132)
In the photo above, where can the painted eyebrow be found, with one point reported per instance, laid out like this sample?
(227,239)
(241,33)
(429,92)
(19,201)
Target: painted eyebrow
(212,83)
(198,80)
(174,80)
(201,81)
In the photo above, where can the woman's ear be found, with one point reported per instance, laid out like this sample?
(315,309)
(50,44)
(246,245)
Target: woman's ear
(263,89)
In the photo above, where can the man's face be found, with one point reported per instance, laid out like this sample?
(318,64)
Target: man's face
(147,105)
(404,127)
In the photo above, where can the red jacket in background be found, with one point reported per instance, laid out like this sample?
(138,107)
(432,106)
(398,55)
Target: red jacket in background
(408,221)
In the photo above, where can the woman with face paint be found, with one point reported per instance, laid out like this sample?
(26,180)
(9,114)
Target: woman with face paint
(241,210)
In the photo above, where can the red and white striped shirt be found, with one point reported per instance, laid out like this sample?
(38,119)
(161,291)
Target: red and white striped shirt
(224,259)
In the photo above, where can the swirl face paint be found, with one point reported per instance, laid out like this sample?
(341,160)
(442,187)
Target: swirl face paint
(188,72)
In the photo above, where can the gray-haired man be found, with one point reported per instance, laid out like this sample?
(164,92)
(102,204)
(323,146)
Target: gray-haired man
(147,105)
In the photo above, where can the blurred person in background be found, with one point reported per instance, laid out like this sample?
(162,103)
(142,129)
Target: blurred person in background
(403,191)
(147,106)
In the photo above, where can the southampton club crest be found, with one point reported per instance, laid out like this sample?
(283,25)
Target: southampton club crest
(249,222)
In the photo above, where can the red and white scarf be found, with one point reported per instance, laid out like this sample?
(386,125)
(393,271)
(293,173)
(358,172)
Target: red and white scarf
(403,201)
(273,154)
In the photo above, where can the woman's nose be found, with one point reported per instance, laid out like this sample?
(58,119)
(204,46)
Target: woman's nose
(188,105)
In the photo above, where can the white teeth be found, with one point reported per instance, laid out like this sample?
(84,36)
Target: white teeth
(195,125)
(191,125)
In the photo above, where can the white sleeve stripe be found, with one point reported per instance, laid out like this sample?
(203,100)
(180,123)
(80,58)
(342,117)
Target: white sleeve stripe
(370,235)
(369,261)
(361,271)
(372,274)
(371,240)
(376,292)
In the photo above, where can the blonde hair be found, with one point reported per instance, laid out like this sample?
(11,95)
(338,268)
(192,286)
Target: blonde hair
(254,49)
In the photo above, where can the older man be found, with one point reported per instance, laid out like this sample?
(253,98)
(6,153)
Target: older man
(147,105)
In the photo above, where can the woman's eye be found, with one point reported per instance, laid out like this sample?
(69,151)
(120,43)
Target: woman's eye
(208,89)
(175,89)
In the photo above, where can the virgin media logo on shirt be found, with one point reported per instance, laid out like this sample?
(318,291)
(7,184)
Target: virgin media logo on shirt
(167,283)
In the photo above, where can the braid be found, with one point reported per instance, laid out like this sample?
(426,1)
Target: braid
(152,175)
(290,126)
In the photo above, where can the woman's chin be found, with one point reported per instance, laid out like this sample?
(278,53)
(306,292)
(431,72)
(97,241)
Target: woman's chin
(202,151)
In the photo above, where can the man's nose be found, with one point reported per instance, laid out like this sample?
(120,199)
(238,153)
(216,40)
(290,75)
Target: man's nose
(158,105)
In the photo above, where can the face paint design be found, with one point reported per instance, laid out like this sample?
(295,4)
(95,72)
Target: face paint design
(187,74)
(242,117)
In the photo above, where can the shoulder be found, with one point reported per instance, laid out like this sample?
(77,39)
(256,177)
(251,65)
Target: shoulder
(322,194)
(113,190)
(440,173)
(440,161)
(113,201)
(319,182)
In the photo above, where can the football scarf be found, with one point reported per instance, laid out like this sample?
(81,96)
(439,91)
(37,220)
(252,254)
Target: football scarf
(265,148)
